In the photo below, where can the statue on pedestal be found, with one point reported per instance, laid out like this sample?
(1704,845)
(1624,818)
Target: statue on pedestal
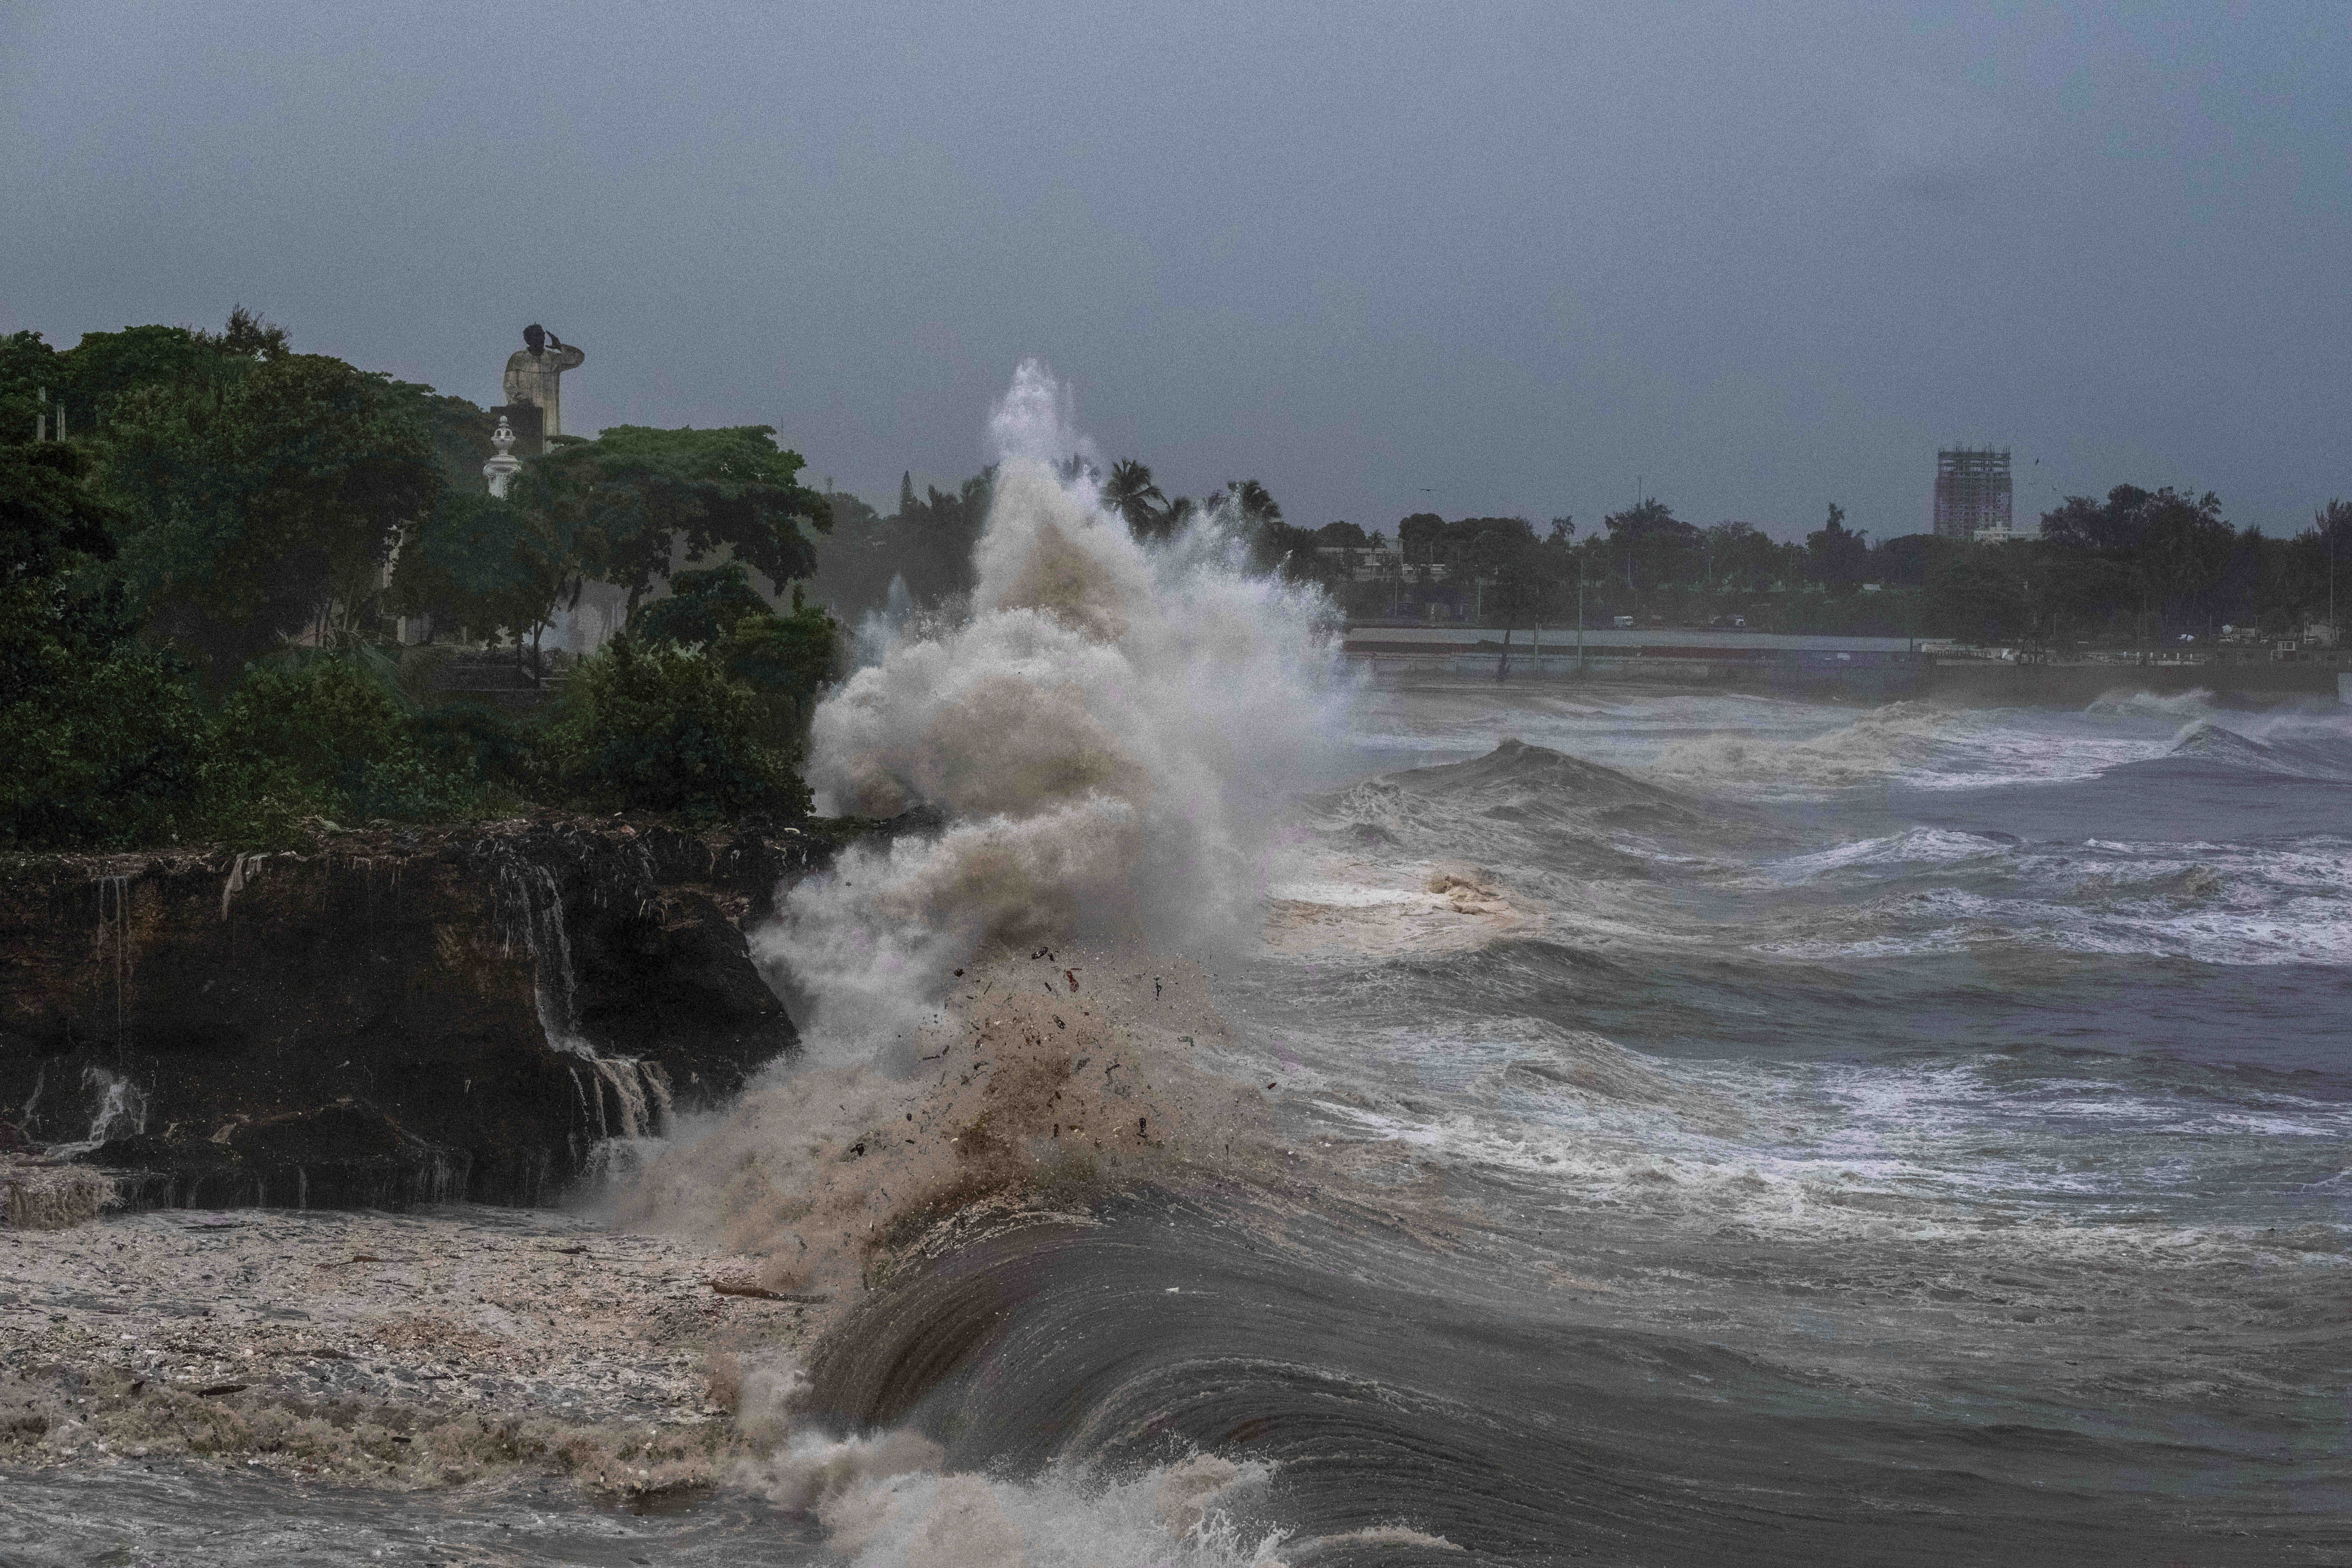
(535,375)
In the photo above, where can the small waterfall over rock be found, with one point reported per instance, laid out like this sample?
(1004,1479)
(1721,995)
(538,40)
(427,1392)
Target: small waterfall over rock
(120,1111)
(625,1104)
(115,931)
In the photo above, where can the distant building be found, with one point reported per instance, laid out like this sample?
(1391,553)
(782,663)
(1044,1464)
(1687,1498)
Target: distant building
(1972,493)
(1362,564)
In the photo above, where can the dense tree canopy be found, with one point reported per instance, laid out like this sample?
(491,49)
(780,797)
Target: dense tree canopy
(102,735)
(2138,566)
(265,504)
(224,497)
(634,497)
(198,587)
(1651,546)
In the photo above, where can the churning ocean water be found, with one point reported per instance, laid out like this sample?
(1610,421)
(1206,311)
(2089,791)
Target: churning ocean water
(1735,1131)
(1802,1135)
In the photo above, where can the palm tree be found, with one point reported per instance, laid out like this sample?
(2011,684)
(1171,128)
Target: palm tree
(1249,498)
(1130,493)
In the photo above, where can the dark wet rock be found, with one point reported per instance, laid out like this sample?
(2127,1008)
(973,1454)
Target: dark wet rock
(384,1020)
(344,1156)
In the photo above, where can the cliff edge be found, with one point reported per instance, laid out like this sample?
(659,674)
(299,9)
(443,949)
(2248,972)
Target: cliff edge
(387,1017)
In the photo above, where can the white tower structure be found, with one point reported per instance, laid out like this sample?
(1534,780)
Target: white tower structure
(501,470)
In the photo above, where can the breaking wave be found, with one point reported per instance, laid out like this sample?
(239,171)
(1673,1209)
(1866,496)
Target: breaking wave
(1921,745)
(1094,732)
(2305,751)
(891,1498)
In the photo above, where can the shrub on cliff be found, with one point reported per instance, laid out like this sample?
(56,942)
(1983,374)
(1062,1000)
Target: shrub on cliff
(469,738)
(103,734)
(784,658)
(664,728)
(324,736)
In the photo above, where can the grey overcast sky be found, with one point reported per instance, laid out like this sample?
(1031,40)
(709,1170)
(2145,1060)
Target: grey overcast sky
(1387,257)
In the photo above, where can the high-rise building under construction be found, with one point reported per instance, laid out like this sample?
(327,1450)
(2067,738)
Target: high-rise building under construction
(1971,492)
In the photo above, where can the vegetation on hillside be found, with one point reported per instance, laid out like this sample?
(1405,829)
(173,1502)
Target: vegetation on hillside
(202,588)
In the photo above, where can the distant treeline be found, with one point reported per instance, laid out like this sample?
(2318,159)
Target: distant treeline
(2137,567)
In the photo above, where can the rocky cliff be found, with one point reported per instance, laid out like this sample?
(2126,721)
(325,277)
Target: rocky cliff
(388,1017)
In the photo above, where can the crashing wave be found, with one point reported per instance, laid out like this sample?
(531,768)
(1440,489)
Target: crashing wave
(2306,756)
(1534,783)
(1900,739)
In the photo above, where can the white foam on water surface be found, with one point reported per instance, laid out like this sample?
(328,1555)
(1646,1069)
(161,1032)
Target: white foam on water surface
(888,1500)
(2058,1164)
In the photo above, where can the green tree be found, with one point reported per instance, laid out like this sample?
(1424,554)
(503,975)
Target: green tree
(1250,503)
(485,565)
(29,378)
(1652,547)
(2157,558)
(2183,554)
(1982,592)
(1902,561)
(615,510)
(1131,492)
(91,379)
(265,504)
(2332,525)
(103,738)
(703,605)
(1741,558)
(630,498)
(1518,577)
(323,734)
(665,728)
(931,539)
(927,542)
(787,660)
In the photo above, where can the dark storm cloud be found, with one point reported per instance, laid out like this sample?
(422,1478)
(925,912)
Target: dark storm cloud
(1485,258)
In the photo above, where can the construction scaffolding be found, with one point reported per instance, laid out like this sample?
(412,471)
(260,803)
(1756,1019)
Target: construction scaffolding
(1972,491)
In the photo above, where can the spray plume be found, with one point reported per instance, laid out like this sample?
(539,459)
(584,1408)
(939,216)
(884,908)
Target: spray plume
(1093,732)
